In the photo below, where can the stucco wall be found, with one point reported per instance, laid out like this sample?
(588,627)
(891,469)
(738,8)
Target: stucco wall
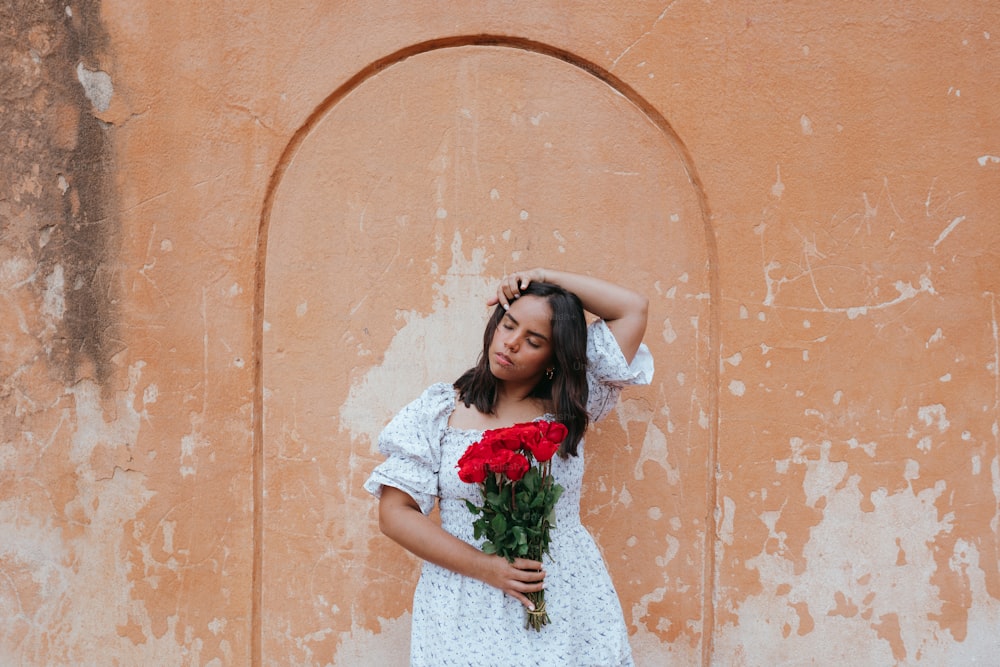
(236,239)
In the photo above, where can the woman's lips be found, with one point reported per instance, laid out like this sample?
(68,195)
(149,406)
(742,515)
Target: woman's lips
(503,360)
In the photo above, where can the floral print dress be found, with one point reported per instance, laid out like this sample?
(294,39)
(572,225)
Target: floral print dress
(464,622)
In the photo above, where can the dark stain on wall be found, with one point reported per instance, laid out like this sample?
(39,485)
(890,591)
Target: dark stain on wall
(56,196)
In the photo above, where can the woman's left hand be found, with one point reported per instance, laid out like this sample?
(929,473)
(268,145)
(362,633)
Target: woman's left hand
(511,285)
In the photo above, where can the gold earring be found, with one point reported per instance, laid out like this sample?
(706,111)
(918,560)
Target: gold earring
(550,372)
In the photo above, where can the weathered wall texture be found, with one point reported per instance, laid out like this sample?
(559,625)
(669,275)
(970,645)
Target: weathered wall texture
(233,240)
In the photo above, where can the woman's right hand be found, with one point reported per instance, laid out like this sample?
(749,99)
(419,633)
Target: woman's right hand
(510,286)
(514,579)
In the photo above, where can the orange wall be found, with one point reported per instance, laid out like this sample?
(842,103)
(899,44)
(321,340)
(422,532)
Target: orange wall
(235,241)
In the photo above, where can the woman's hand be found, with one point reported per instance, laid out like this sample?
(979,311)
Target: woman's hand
(515,579)
(511,285)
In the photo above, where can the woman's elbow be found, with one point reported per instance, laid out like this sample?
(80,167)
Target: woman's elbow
(393,509)
(642,306)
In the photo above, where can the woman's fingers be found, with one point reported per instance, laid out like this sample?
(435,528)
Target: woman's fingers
(527,576)
(531,567)
(511,286)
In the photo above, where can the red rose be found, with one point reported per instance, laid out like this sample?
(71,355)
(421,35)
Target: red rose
(511,464)
(508,438)
(529,433)
(554,431)
(499,459)
(551,435)
(544,450)
(473,472)
(518,465)
(472,465)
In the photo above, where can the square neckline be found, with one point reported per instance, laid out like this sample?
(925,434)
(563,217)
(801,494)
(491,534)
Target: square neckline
(453,398)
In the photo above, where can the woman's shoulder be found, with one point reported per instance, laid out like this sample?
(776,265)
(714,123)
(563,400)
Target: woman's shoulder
(435,399)
(422,417)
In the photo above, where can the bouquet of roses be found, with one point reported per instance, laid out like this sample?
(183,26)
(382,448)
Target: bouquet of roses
(519,498)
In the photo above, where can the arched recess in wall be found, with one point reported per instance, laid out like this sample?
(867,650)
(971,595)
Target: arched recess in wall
(392,211)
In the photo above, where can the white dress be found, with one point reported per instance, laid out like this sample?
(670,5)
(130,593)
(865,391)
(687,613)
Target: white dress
(464,622)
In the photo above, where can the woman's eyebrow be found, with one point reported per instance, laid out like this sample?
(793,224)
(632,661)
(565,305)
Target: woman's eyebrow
(530,332)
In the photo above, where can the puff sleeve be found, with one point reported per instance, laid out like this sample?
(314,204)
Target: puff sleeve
(411,443)
(608,371)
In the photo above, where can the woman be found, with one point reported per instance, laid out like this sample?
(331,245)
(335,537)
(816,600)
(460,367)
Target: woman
(539,360)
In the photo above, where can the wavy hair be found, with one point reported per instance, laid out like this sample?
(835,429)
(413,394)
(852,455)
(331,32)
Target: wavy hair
(567,390)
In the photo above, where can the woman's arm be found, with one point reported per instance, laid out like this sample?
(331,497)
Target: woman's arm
(624,310)
(400,519)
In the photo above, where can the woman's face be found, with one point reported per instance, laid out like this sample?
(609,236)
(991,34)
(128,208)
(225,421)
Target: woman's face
(521,349)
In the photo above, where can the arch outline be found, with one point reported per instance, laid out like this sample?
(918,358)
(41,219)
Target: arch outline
(274,181)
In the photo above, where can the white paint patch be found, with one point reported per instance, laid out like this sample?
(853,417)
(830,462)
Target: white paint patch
(96,86)
(217,626)
(822,477)
(934,415)
(15,272)
(54,300)
(523,215)
(649,650)
(906,292)
(495,194)
(936,337)
(428,348)
(806,124)
(302,309)
(673,547)
(983,160)
(726,525)
(948,230)
(654,448)
(167,529)
(441,214)
(857,571)
(669,335)
(389,646)
(867,447)
(737,388)
(778,188)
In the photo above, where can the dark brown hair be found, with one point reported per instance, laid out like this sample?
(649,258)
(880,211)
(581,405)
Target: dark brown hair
(567,390)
